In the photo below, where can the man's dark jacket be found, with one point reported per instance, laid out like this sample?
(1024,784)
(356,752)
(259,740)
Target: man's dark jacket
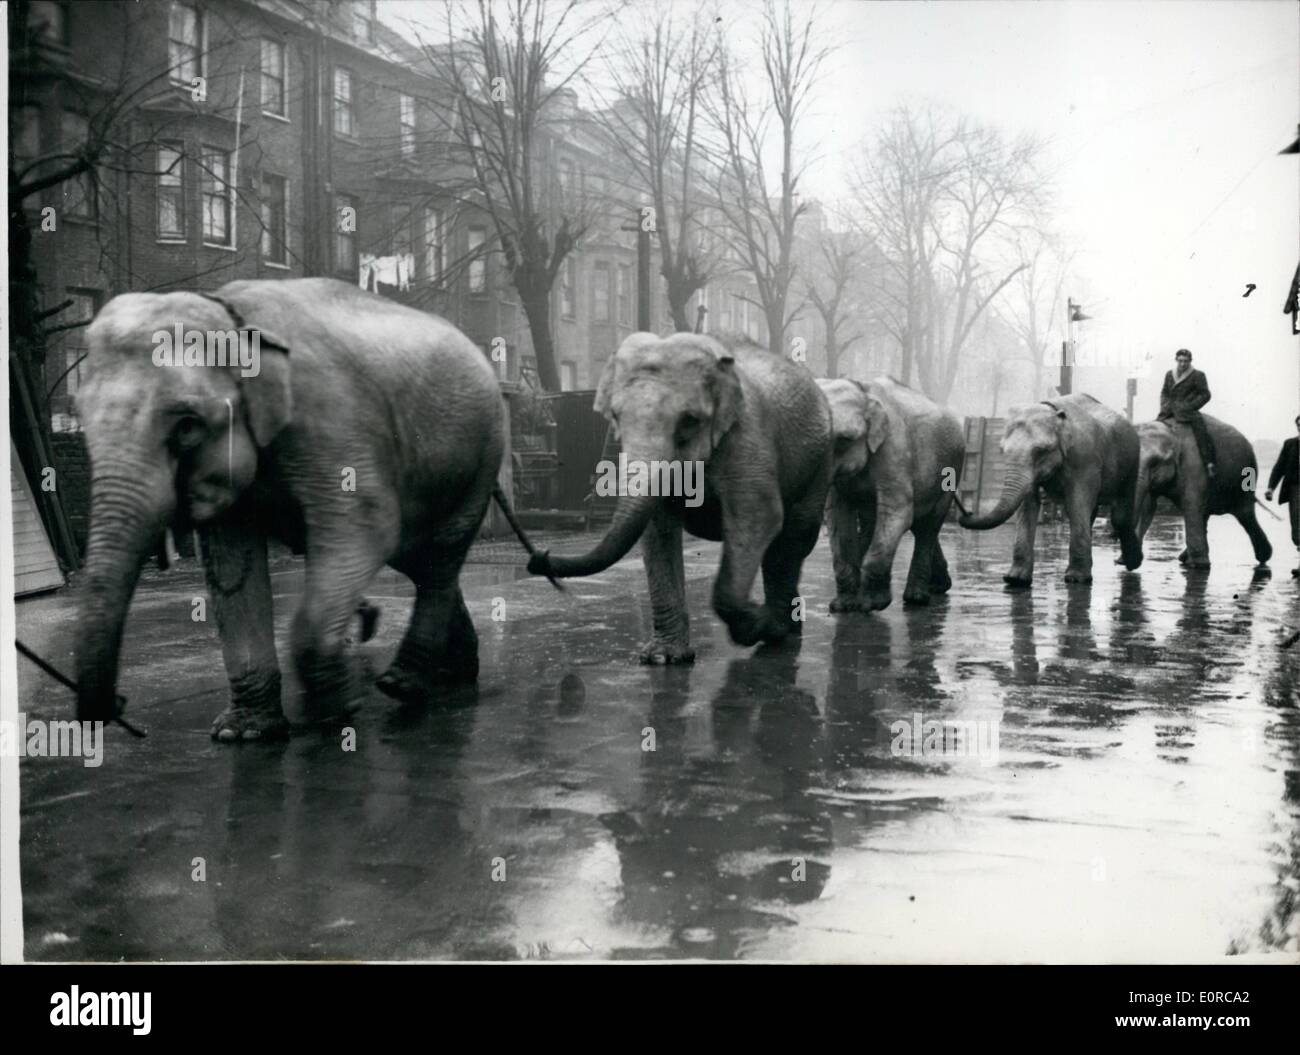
(1179,401)
(1286,470)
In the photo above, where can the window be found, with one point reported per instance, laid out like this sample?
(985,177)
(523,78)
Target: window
(171,192)
(724,320)
(184,44)
(273,77)
(363,20)
(600,292)
(568,376)
(566,183)
(48,22)
(435,260)
(215,188)
(406,123)
(624,294)
(25,136)
(567,282)
(345,233)
(275,219)
(80,196)
(477,264)
(343,107)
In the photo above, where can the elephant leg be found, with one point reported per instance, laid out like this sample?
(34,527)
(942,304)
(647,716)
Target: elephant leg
(1021,572)
(1245,514)
(338,571)
(1081,507)
(1198,546)
(846,552)
(440,646)
(893,518)
(239,587)
(748,529)
(925,537)
(782,564)
(661,552)
(1123,520)
(940,579)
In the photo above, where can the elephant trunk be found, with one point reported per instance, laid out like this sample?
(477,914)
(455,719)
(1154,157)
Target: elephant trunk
(1144,502)
(1015,487)
(130,506)
(630,520)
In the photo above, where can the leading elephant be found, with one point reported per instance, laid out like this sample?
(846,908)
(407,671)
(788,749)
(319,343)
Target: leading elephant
(364,433)
(1171,467)
(1080,452)
(898,458)
(760,428)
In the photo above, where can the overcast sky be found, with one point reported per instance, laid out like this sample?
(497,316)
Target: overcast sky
(1163,121)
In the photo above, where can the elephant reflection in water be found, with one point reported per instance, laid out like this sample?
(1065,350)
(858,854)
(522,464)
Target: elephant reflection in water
(736,826)
(320,845)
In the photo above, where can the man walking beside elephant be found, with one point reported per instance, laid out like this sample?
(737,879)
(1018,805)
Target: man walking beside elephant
(1183,394)
(1286,471)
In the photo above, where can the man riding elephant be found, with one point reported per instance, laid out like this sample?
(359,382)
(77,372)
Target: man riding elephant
(1183,394)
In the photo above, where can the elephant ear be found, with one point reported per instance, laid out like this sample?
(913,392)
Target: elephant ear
(877,422)
(268,401)
(727,398)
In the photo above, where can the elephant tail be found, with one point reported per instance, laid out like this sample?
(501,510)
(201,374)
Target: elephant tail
(509,513)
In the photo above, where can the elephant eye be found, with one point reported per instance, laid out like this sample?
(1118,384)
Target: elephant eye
(188,431)
(687,426)
(843,443)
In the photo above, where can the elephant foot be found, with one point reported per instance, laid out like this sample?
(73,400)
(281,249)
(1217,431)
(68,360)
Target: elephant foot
(250,723)
(876,601)
(940,582)
(845,604)
(657,653)
(1078,575)
(1018,580)
(1199,563)
(1182,557)
(749,627)
(416,684)
(915,596)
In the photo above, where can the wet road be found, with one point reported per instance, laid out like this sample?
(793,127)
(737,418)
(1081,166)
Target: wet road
(1143,802)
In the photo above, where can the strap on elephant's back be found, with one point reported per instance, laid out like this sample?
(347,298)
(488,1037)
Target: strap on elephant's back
(238,319)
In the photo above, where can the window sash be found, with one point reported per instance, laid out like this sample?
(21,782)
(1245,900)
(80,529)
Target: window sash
(477,266)
(215,190)
(343,115)
(184,43)
(273,77)
(171,193)
(435,261)
(406,123)
(624,295)
(275,219)
(566,289)
(600,293)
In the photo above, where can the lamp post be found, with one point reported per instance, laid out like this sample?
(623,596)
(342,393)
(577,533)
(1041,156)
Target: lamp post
(1073,313)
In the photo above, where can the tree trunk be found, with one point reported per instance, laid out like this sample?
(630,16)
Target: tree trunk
(537,308)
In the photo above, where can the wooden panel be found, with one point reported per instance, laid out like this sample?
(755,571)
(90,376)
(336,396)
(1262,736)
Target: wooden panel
(35,567)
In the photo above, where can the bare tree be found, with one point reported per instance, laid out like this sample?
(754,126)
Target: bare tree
(760,215)
(945,199)
(832,290)
(659,75)
(503,82)
(1030,305)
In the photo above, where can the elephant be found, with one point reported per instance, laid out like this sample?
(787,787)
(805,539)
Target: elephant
(759,428)
(1170,466)
(898,457)
(376,440)
(1078,451)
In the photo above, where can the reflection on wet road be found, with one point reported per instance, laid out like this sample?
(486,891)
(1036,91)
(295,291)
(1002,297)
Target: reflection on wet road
(1143,803)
